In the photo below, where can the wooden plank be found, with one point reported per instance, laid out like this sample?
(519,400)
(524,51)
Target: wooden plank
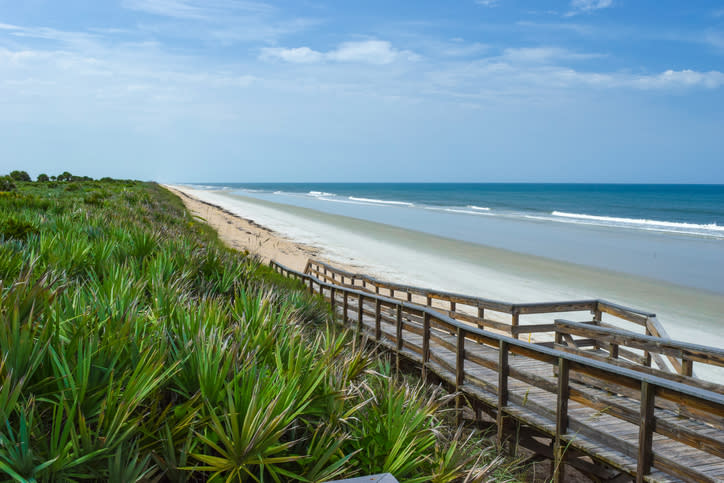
(692,352)
(344,307)
(398,323)
(553,307)
(378,329)
(646,428)
(425,344)
(503,369)
(647,370)
(625,313)
(522,365)
(561,420)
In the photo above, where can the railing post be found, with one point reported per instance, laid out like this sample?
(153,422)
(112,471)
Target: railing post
(429,301)
(378,319)
(687,367)
(597,317)
(377,289)
(646,427)
(561,420)
(459,374)
(481,316)
(614,351)
(409,296)
(425,344)
(344,307)
(647,354)
(503,371)
(398,337)
(514,323)
(360,307)
(452,306)
(331,301)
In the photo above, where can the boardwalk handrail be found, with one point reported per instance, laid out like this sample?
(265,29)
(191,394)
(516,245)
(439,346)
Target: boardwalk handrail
(686,351)
(702,404)
(627,313)
(479,305)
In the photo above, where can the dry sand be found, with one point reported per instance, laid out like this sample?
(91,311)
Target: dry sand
(242,234)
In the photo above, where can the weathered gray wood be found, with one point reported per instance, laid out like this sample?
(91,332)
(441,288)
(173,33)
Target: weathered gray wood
(678,349)
(503,370)
(561,420)
(423,335)
(459,374)
(425,344)
(646,427)
(378,328)
(344,307)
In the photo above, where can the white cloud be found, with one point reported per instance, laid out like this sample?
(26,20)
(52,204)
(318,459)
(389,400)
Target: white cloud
(681,78)
(582,6)
(487,3)
(543,55)
(198,9)
(377,52)
(370,52)
(224,22)
(297,55)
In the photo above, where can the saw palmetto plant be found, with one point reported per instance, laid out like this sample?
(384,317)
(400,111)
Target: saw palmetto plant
(135,347)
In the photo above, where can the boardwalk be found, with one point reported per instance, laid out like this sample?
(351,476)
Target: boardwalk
(645,424)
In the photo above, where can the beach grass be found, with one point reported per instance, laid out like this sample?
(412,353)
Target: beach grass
(136,347)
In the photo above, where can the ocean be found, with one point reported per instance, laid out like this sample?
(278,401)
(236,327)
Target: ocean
(690,209)
(670,233)
(650,247)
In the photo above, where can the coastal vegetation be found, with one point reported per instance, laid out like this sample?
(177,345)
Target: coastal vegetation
(135,347)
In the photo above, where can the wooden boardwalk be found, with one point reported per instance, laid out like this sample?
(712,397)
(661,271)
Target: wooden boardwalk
(580,408)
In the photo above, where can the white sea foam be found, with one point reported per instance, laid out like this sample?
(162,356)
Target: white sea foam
(381,202)
(466,212)
(675,226)
(478,208)
(320,193)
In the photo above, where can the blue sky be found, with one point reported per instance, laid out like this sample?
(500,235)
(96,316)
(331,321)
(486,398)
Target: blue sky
(425,90)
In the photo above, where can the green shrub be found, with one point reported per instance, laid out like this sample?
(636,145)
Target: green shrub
(94,197)
(6,183)
(18,229)
(43,178)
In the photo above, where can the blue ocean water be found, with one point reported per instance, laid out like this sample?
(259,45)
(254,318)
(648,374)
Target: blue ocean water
(696,210)
(665,233)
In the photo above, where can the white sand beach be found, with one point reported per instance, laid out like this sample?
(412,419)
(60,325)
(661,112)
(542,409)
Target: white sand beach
(291,235)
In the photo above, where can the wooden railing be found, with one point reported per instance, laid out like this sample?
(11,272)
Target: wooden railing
(492,314)
(614,341)
(459,354)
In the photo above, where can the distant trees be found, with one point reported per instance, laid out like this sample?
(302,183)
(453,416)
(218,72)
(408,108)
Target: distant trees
(7,182)
(20,176)
(64,176)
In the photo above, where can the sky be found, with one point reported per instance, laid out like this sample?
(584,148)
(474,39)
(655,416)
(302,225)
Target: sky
(627,91)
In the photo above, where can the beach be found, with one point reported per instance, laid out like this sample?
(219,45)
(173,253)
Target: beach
(292,234)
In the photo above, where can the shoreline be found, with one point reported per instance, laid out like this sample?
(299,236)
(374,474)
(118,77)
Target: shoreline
(242,233)
(399,255)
